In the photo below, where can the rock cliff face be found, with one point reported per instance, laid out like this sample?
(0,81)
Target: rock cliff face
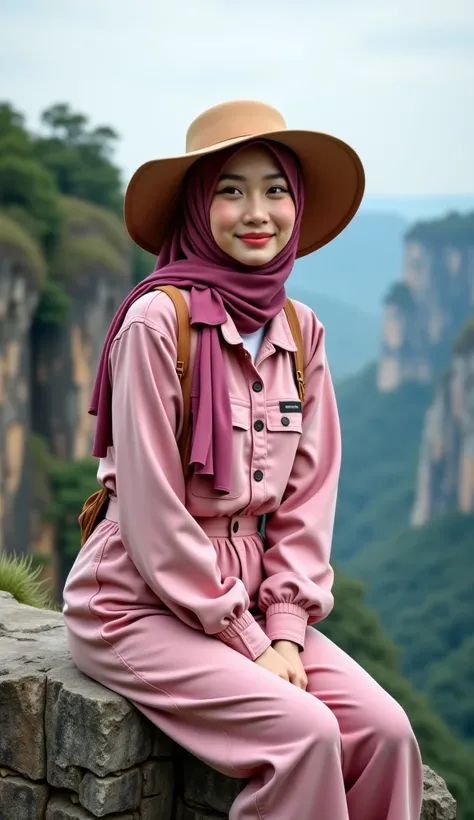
(72,750)
(446,464)
(424,311)
(48,356)
(22,274)
(93,265)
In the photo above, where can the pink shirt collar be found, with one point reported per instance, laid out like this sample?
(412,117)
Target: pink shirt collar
(277,333)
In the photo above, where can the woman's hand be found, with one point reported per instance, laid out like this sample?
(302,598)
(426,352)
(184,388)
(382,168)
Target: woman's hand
(276,663)
(291,653)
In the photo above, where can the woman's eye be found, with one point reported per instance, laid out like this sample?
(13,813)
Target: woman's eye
(230,189)
(278,189)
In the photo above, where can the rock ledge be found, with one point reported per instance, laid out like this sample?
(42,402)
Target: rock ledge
(72,750)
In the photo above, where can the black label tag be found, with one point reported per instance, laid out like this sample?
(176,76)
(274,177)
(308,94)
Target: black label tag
(290,407)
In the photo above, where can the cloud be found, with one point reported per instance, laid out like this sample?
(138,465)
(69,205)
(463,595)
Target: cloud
(380,76)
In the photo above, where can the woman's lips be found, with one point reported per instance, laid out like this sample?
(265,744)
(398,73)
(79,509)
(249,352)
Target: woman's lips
(256,240)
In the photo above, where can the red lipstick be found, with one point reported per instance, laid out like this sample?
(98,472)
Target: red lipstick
(256,240)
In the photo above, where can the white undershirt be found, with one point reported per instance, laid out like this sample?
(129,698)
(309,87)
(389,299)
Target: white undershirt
(252,341)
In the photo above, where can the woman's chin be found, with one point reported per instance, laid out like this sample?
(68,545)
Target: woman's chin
(254,257)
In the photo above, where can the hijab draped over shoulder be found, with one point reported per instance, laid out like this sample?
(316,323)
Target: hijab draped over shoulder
(190,259)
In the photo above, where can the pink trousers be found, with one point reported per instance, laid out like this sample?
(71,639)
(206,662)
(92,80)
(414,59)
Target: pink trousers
(342,749)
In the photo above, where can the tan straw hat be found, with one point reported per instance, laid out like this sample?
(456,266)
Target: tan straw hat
(333,174)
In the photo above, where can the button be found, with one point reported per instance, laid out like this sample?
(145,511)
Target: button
(285,421)
(235,526)
(258,426)
(257,387)
(258,475)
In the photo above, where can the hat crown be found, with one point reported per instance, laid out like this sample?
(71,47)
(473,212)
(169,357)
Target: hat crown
(232,120)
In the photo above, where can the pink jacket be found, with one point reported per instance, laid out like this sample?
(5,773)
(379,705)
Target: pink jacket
(285,463)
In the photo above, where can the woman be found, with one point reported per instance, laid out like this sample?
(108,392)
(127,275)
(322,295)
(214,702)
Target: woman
(175,601)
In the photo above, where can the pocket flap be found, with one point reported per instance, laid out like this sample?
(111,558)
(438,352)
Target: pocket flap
(240,416)
(283,422)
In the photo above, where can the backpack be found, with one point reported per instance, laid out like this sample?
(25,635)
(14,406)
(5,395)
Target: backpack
(95,506)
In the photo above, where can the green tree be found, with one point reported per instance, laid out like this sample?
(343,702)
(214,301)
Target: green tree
(80,157)
(421,582)
(14,138)
(71,484)
(28,192)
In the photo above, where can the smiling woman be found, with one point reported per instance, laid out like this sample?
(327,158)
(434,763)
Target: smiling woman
(175,600)
(252,213)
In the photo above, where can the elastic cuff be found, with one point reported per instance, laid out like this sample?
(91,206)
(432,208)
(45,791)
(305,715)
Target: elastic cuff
(287,622)
(246,636)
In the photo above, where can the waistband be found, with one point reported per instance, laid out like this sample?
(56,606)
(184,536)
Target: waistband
(222,526)
(228,526)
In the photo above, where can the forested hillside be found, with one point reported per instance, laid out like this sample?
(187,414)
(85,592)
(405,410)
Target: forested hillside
(420,580)
(381,435)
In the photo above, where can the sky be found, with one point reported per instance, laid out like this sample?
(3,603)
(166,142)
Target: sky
(394,78)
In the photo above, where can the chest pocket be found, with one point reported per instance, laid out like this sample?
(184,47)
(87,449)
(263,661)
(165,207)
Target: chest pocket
(201,486)
(283,437)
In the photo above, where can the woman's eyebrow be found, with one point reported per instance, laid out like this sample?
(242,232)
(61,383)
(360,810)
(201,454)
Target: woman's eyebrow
(241,178)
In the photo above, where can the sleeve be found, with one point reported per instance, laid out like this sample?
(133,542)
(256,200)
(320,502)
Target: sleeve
(299,578)
(168,547)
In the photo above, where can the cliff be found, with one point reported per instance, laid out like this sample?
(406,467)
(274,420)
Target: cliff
(445,479)
(92,264)
(54,317)
(22,276)
(72,750)
(424,311)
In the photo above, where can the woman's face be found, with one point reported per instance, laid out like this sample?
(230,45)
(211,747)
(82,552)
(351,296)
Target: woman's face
(252,213)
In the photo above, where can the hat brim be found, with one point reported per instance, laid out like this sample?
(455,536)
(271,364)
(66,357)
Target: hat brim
(334,186)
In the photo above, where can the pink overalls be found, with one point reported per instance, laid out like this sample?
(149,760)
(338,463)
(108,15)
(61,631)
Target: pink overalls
(173,596)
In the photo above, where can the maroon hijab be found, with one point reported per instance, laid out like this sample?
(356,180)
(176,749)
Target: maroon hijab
(190,259)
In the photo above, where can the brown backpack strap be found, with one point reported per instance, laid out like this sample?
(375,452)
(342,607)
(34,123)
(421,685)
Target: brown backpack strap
(295,328)
(95,507)
(182,368)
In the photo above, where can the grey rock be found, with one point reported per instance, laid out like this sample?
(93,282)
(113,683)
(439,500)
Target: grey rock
(156,808)
(22,745)
(21,799)
(184,812)
(116,793)
(5,772)
(162,745)
(60,808)
(26,620)
(68,777)
(438,804)
(31,642)
(91,733)
(42,653)
(207,788)
(157,777)
(157,790)
(113,736)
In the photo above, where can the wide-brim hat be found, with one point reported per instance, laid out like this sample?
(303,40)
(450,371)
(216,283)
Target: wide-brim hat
(333,174)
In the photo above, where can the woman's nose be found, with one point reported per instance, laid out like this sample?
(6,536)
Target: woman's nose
(256,212)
